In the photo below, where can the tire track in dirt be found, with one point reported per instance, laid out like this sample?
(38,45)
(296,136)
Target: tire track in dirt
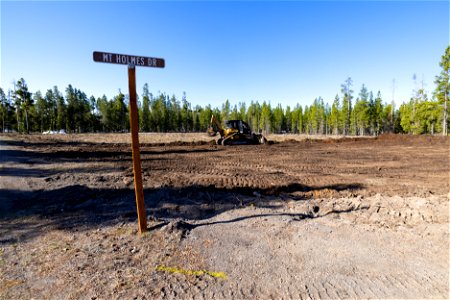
(238,174)
(314,166)
(379,230)
(331,288)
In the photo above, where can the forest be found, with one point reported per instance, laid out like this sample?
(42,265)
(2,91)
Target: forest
(350,113)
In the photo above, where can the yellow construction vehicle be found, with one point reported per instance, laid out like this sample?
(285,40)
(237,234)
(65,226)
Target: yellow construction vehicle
(236,132)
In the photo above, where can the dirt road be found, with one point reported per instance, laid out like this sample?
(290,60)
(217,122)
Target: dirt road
(345,218)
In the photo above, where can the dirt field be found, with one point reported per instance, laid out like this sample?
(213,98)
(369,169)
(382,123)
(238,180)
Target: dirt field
(299,219)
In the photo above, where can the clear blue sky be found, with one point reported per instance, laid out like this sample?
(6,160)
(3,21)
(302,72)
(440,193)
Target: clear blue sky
(283,52)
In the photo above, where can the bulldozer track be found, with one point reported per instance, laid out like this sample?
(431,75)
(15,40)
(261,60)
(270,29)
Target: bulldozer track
(330,219)
(337,287)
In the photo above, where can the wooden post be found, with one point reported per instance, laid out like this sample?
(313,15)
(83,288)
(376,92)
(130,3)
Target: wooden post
(142,216)
(132,61)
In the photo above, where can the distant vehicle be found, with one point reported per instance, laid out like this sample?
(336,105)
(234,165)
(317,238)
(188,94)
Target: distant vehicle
(62,131)
(236,132)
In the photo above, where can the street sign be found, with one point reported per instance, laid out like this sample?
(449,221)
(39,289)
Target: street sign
(133,61)
(124,59)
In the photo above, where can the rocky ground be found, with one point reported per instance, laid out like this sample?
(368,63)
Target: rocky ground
(330,218)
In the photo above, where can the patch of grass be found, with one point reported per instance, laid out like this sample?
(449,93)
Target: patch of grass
(192,272)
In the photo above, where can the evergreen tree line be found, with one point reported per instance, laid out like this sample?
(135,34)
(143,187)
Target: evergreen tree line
(368,114)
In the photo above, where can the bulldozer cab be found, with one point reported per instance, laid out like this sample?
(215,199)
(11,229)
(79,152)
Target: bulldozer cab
(239,125)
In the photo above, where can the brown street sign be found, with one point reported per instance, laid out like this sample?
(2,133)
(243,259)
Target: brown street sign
(123,59)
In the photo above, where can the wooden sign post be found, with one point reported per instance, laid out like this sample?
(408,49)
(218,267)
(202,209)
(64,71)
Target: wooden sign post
(132,61)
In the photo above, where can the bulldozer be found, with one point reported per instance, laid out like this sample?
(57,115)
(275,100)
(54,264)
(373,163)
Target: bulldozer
(236,132)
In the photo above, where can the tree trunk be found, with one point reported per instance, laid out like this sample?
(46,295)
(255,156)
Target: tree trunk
(18,124)
(26,120)
(444,125)
(392,117)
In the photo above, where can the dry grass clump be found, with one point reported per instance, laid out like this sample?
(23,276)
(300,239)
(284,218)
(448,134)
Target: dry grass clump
(302,137)
(152,137)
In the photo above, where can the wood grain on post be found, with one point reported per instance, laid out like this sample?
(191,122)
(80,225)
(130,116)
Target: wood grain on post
(142,216)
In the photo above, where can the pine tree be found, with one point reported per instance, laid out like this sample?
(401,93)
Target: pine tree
(104,109)
(3,108)
(360,114)
(226,110)
(387,118)
(242,112)
(405,112)
(254,116)
(278,119)
(41,110)
(186,112)
(234,115)
(23,101)
(205,117)
(346,105)
(334,116)
(51,109)
(443,88)
(327,113)
(307,120)
(119,113)
(288,118)
(196,116)
(318,116)
(266,118)
(418,125)
(145,119)
(61,110)
(297,119)
(71,108)
(378,113)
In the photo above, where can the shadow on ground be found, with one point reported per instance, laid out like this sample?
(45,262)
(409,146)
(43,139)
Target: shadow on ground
(80,208)
(27,214)
(24,156)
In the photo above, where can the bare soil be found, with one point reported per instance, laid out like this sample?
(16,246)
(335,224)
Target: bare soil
(297,219)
